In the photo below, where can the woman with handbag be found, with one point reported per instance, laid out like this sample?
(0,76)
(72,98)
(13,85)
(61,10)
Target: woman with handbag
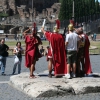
(3,52)
(18,51)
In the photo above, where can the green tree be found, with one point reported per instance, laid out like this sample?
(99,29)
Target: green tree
(92,6)
(97,7)
(3,14)
(64,13)
(82,8)
(60,1)
(69,9)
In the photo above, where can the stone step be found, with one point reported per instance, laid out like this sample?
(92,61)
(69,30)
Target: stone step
(42,86)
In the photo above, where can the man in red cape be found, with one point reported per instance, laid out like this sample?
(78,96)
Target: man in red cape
(32,52)
(57,48)
(87,64)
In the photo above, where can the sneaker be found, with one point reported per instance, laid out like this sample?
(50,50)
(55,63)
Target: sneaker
(3,74)
(90,75)
(73,75)
(85,75)
(12,74)
(67,76)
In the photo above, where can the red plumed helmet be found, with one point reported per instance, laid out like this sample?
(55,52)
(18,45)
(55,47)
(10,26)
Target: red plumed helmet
(34,28)
(57,27)
(72,22)
(58,24)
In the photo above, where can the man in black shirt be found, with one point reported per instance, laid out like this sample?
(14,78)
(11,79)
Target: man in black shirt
(3,52)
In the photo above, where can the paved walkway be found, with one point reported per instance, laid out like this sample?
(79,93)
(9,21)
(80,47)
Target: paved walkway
(7,92)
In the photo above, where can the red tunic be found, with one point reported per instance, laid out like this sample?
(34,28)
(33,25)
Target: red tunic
(32,52)
(49,54)
(87,68)
(57,46)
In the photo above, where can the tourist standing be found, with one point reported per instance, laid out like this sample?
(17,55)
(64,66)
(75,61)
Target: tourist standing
(6,37)
(3,52)
(18,51)
(71,47)
(94,36)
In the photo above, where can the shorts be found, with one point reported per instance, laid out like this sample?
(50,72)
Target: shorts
(71,57)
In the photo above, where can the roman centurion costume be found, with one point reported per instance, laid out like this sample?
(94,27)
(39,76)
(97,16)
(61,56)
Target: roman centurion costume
(32,52)
(57,50)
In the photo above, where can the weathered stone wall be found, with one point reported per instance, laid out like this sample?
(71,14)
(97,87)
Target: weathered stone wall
(38,4)
(7,5)
(3,5)
(41,8)
(12,5)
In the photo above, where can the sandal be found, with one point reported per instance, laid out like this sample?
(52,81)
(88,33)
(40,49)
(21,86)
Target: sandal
(32,76)
(50,75)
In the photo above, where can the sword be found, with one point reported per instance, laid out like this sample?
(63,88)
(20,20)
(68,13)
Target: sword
(43,25)
(43,22)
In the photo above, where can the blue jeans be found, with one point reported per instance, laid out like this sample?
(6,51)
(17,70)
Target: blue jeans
(1,62)
(19,66)
(3,66)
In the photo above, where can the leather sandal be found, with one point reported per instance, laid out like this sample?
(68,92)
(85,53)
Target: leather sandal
(32,76)
(50,75)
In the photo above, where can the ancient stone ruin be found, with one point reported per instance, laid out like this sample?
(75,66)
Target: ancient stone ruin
(24,9)
(22,14)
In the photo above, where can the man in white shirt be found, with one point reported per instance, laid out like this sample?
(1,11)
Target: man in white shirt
(71,47)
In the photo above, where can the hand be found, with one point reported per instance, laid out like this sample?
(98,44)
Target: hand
(30,28)
(42,29)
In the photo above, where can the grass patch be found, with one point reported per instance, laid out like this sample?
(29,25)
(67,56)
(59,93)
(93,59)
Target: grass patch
(94,51)
(12,44)
(45,43)
(95,43)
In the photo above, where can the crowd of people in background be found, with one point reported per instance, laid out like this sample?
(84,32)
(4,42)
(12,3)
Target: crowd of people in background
(67,54)
(18,37)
